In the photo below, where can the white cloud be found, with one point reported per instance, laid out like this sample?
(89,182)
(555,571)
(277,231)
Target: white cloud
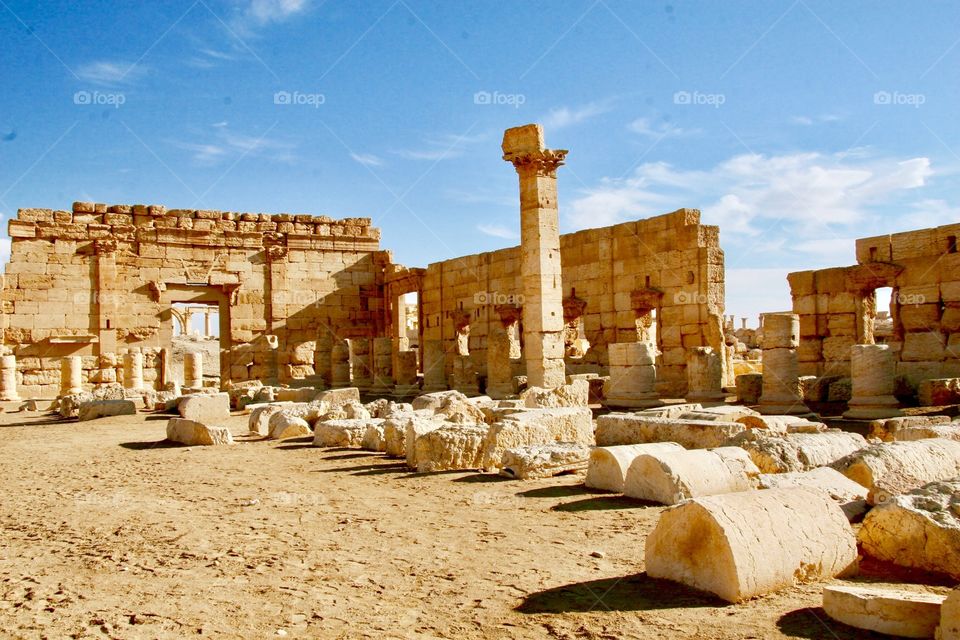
(498,231)
(750,292)
(367,159)
(561,117)
(256,14)
(663,129)
(800,196)
(110,73)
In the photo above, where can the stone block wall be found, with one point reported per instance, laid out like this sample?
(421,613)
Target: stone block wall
(837,306)
(669,266)
(100,279)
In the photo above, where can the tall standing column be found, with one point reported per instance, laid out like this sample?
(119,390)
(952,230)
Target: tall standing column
(193,370)
(540,253)
(133,370)
(781,383)
(872,371)
(71,375)
(8,378)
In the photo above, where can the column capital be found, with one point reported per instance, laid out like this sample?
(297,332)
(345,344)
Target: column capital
(543,161)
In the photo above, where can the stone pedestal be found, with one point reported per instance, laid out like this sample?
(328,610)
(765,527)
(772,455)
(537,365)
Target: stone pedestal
(704,376)
(633,376)
(8,378)
(434,369)
(872,372)
(193,370)
(133,370)
(341,371)
(406,375)
(539,253)
(71,375)
(382,366)
(499,368)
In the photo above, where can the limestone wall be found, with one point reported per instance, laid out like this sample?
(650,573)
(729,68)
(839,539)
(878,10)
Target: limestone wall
(612,276)
(97,280)
(837,306)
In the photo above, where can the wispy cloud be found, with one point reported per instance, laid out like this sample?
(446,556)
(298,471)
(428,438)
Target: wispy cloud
(444,146)
(662,129)
(367,159)
(561,117)
(808,121)
(498,231)
(224,143)
(110,73)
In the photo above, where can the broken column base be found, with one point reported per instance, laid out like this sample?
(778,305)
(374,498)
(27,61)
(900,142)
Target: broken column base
(645,401)
(873,408)
(407,391)
(783,407)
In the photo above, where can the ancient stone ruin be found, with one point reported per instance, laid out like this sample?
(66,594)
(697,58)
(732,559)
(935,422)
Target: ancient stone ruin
(785,454)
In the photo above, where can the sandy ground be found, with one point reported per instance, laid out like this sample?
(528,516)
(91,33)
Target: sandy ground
(110,532)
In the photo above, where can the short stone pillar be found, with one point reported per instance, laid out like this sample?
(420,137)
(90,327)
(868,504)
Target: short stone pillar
(382,366)
(499,367)
(406,375)
(133,370)
(321,360)
(193,370)
(341,370)
(434,366)
(704,375)
(71,375)
(8,378)
(781,378)
(633,376)
(872,371)
(361,360)
(465,379)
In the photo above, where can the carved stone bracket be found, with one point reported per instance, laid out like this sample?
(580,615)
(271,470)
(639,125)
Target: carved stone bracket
(645,299)
(509,313)
(573,308)
(276,253)
(156,289)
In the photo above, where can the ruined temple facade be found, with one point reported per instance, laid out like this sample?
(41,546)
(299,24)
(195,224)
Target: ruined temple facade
(838,306)
(98,280)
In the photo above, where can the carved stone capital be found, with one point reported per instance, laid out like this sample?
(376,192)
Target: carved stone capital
(276,253)
(543,162)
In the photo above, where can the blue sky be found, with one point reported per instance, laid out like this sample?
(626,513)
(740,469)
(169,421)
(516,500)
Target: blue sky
(796,126)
